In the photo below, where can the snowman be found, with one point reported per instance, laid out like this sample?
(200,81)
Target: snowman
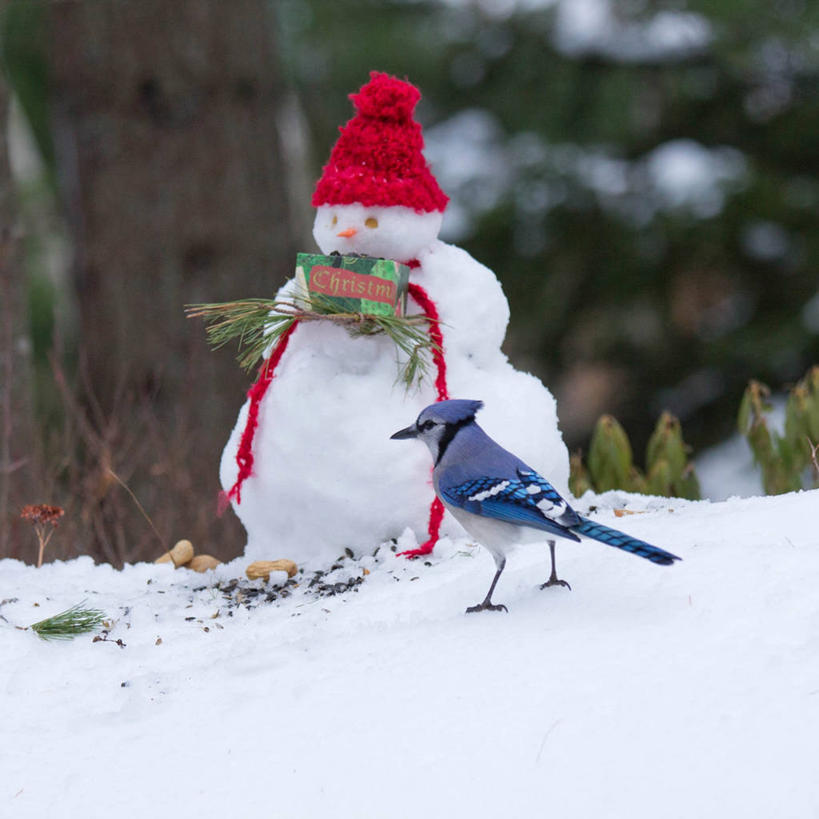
(325,475)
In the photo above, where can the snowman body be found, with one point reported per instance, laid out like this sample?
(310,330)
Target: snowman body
(326,475)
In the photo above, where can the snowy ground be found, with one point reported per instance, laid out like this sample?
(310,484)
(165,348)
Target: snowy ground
(689,691)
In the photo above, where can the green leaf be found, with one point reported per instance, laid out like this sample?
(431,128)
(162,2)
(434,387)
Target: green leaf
(610,457)
(636,481)
(744,416)
(579,481)
(795,447)
(666,445)
(689,485)
(811,382)
(659,478)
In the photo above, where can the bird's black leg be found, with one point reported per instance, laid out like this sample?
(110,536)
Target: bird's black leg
(553,578)
(487,604)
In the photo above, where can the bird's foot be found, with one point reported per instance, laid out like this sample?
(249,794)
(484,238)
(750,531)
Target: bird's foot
(554,581)
(487,606)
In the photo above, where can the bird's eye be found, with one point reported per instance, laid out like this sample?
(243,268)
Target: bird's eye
(427,425)
(371,222)
(335,221)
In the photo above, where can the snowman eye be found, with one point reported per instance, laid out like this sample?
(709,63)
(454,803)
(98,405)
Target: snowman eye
(335,221)
(371,222)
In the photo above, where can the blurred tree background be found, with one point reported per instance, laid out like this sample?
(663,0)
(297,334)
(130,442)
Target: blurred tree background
(642,177)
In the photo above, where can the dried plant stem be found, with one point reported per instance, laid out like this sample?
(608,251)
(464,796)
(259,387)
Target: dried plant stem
(814,457)
(138,504)
(43,536)
(7,346)
(5,409)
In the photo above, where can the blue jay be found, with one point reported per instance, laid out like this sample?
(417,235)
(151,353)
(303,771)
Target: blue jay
(495,496)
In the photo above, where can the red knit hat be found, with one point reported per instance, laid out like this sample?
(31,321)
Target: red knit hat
(377,160)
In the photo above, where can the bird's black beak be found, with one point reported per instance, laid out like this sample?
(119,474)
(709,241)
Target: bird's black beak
(409,432)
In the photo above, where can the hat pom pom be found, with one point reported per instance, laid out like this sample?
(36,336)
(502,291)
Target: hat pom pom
(386,97)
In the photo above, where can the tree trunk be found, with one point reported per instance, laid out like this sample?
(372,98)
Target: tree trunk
(169,160)
(17,456)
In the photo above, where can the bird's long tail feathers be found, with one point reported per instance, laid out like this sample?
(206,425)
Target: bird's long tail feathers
(620,540)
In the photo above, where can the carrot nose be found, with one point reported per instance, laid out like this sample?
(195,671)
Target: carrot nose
(347,233)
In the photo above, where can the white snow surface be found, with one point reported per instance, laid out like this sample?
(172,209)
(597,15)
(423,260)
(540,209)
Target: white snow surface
(646,691)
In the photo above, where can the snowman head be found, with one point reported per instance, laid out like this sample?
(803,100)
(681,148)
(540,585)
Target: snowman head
(377,195)
(389,232)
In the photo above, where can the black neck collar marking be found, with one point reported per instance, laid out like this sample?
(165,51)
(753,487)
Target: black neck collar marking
(450,431)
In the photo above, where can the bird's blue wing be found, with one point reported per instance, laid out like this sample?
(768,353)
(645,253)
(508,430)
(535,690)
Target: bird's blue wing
(528,500)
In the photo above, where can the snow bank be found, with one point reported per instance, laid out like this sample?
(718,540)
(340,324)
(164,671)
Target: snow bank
(644,692)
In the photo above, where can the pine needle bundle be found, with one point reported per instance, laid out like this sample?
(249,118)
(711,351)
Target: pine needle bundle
(254,323)
(69,623)
(258,323)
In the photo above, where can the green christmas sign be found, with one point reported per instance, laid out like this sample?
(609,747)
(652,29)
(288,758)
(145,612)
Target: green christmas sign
(355,284)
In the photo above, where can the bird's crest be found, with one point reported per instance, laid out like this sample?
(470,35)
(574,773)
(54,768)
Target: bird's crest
(454,411)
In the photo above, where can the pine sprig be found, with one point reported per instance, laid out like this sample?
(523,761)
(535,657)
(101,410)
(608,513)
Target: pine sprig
(254,323)
(258,323)
(69,623)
